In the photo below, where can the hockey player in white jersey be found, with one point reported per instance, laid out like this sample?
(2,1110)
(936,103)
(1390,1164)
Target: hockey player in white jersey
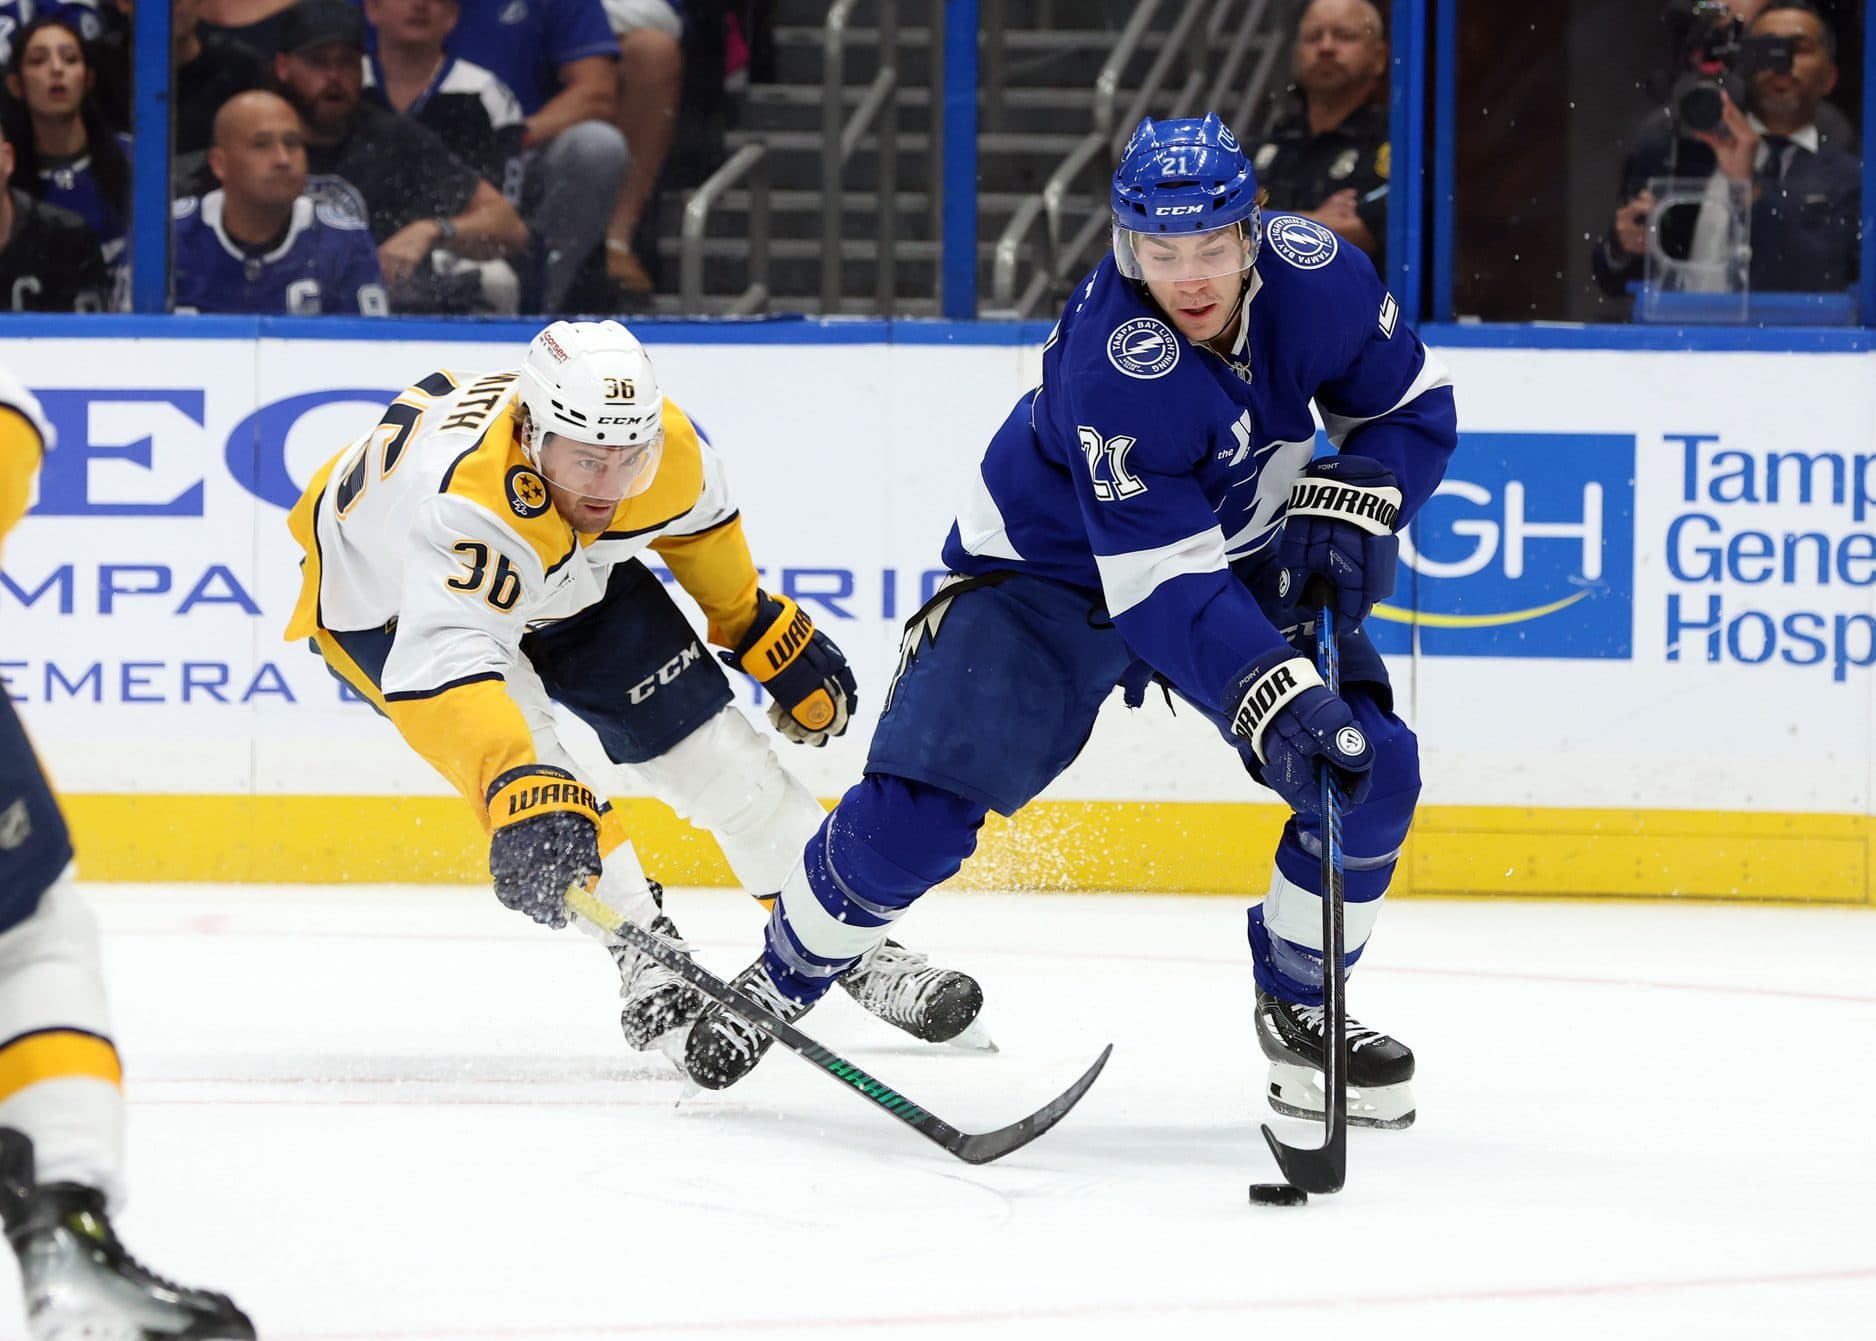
(474,559)
(61,1107)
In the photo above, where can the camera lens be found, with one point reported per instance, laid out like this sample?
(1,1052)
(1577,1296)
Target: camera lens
(1698,105)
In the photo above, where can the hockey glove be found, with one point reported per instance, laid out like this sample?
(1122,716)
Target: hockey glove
(546,837)
(1341,525)
(805,674)
(1290,721)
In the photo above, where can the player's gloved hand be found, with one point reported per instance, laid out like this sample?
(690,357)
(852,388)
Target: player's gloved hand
(1279,706)
(546,837)
(805,674)
(1341,525)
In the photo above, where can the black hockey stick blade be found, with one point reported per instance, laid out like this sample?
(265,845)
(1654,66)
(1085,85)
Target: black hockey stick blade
(1313,1169)
(1325,1168)
(971,1147)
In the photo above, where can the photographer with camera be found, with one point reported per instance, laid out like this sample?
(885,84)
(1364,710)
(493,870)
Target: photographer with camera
(1748,107)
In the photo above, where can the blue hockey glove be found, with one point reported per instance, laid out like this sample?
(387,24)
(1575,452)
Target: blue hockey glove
(1280,708)
(545,837)
(805,674)
(1341,526)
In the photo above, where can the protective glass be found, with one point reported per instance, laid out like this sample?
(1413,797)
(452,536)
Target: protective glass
(605,474)
(1179,258)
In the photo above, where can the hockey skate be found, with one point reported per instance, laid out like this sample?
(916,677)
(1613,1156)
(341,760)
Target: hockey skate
(723,1047)
(933,1005)
(657,1001)
(80,1282)
(1380,1069)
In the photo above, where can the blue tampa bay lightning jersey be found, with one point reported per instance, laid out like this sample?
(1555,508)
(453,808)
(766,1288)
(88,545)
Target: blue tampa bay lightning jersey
(325,264)
(1145,466)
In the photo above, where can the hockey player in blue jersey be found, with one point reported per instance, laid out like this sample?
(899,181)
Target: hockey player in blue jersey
(1154,509)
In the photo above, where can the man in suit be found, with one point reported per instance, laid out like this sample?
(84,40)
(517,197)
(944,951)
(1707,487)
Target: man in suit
(1804,187)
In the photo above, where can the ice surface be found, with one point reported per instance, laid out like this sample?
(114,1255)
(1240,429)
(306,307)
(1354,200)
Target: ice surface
(407,1114)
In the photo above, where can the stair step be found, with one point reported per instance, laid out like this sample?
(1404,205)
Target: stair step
(1060,57)
(798,107)
(793,95)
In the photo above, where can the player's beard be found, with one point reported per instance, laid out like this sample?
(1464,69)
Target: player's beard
(587,516)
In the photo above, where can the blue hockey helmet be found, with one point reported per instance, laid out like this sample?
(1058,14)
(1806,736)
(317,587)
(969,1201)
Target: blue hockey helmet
(1184,176)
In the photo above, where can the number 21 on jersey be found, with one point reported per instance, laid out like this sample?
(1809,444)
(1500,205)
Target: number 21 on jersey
(1107,464)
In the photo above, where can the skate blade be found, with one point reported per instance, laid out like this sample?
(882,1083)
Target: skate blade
(975,1038)
(1296,1091)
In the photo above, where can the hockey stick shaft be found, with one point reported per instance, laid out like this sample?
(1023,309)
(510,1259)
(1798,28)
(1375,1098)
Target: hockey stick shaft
(971,1147)
(1326,1168)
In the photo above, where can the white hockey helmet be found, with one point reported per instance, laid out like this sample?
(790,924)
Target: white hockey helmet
(593,383)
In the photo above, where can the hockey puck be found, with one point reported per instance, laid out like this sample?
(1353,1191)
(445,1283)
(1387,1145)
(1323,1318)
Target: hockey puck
(1278,1194)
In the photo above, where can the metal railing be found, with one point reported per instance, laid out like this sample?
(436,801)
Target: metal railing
(1194,36)
(841,137)
(751,160)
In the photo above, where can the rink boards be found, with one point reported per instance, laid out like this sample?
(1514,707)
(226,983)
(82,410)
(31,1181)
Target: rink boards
(1634,632)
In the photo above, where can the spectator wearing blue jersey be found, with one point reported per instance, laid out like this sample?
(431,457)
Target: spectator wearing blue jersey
(258,244)
(1154,509)
(65,153)
(559,57)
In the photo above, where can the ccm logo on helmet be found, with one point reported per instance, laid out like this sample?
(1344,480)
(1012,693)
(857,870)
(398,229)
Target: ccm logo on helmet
(1178,209)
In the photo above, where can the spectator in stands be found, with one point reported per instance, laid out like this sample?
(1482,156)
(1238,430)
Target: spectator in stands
(50,260)
(1326,155)
(559,58)
(105,27)
(651,78)
(253,23)
(63,152)
(1806,186)
(208,68)
(471,111)
(424,207)
(257,244)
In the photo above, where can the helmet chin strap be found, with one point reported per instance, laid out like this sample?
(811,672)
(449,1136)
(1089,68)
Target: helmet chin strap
(1237,300)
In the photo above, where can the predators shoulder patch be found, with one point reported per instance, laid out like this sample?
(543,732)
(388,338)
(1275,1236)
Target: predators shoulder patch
(527,492)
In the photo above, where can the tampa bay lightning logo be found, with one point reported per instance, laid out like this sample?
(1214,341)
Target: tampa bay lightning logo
(1143,348)
(1304,243)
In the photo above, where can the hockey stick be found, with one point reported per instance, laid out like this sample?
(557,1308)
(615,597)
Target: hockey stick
(1323,1169)
(971,1147)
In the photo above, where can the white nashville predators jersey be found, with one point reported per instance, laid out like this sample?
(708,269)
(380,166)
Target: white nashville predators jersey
(437,519)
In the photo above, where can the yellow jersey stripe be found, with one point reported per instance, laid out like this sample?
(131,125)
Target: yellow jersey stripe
(56,1054)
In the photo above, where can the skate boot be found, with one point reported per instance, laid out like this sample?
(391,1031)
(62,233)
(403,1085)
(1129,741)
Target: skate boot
(902,988)
(657,1001)
(1380,1069)
(723,1047)
(81,1285)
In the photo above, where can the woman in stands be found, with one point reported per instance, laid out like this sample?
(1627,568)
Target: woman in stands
(64,153)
